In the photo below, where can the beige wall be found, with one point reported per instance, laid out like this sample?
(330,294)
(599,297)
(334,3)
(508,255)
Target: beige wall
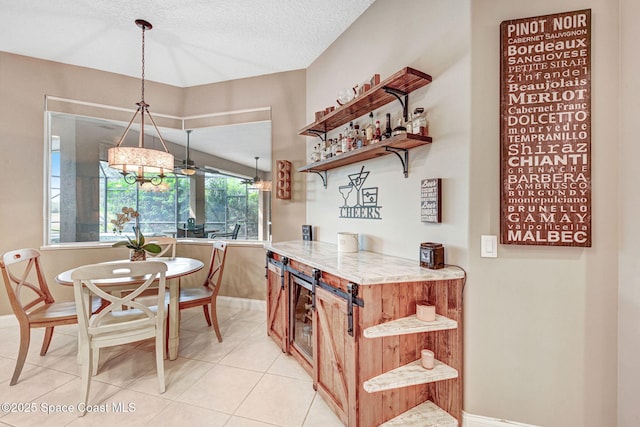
(24,82)
(540,323)
(433,37)
(243,274)
(629,227)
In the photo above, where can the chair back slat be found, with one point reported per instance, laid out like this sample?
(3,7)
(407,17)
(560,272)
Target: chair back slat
(88,279)
(216,266)
(168,245)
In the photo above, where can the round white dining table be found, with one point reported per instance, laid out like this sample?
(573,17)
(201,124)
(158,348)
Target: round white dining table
(176,268)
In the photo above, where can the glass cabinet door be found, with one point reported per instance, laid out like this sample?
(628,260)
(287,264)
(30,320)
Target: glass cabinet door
(302,316)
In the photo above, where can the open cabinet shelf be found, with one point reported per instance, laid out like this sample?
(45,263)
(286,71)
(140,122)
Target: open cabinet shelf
(427,414)
(410,374)
(409,325)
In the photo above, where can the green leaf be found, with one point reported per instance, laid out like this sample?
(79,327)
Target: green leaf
(122,243)
(152,247)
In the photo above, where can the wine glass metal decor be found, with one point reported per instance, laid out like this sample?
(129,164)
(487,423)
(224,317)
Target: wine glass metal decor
(366,204)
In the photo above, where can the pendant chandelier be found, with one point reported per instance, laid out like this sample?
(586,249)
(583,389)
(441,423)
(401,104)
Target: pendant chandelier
(188,166)
(257,183)
(139,164)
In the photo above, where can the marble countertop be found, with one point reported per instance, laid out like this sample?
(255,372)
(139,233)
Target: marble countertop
(363,268)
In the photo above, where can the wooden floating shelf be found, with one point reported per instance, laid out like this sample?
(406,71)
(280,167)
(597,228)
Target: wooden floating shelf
(410,374)
(409,325)
(427,414)
(403,141)
(406,80)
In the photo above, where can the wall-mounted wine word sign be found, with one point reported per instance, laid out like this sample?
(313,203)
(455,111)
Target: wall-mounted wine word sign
(366,198)
(430,196)
(545,130)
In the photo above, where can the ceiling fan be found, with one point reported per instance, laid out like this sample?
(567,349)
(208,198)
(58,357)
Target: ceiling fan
(256,182)
(188,167)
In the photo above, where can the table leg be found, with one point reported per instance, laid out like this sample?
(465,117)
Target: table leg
(174,318)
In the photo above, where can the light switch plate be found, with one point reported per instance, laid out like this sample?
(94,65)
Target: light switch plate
(489,246)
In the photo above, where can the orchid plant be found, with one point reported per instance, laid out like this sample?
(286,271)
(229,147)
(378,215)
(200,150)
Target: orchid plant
(138,243)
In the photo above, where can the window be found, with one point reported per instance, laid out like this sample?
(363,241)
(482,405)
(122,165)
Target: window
(228,201)
(160,210)
(84,194)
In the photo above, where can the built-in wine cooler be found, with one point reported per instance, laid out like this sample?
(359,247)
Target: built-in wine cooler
(301,315)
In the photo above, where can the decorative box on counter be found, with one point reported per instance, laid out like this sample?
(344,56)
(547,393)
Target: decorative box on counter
(431,255)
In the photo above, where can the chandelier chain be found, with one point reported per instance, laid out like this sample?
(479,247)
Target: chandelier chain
(143,29)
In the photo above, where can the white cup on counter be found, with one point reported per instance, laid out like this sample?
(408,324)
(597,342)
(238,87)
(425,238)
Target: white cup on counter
(348,242)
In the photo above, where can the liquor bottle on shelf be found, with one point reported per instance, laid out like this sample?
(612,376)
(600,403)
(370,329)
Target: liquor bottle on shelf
(351,137)
(408,124)
(369,130)
(399,129)
(388,130)
(345,142)
(358,138)
(377,136)
(420,122)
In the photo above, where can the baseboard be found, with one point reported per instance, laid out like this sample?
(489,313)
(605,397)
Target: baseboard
(470,420)
(8,320)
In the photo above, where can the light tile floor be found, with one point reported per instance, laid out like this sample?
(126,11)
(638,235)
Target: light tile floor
(245,381)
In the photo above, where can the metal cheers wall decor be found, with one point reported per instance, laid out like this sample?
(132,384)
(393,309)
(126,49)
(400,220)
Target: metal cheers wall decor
(545,130)
(366,198)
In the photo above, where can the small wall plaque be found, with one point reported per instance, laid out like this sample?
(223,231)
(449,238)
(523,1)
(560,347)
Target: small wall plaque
(430,200)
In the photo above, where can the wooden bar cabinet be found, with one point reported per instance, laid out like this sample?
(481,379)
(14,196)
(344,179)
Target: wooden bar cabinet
(349,319)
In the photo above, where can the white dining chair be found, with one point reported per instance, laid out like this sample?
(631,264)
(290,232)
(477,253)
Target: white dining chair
(124,320)
(168,245)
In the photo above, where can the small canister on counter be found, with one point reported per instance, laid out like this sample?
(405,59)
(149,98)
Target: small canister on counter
(431,255)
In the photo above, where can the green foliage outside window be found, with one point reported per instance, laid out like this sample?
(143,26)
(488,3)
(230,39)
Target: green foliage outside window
(229,202)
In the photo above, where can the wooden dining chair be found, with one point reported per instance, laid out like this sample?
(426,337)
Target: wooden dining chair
(115,325)
(168,245)
(32,302)
(207,294)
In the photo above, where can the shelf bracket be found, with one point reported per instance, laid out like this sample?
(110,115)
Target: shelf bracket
(404,103)
(320,134)
(323,175)
(403,159)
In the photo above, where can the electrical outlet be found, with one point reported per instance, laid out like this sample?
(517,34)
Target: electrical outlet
(489,246)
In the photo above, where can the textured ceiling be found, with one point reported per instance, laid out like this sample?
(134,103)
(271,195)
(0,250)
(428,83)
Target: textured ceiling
(192,42)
